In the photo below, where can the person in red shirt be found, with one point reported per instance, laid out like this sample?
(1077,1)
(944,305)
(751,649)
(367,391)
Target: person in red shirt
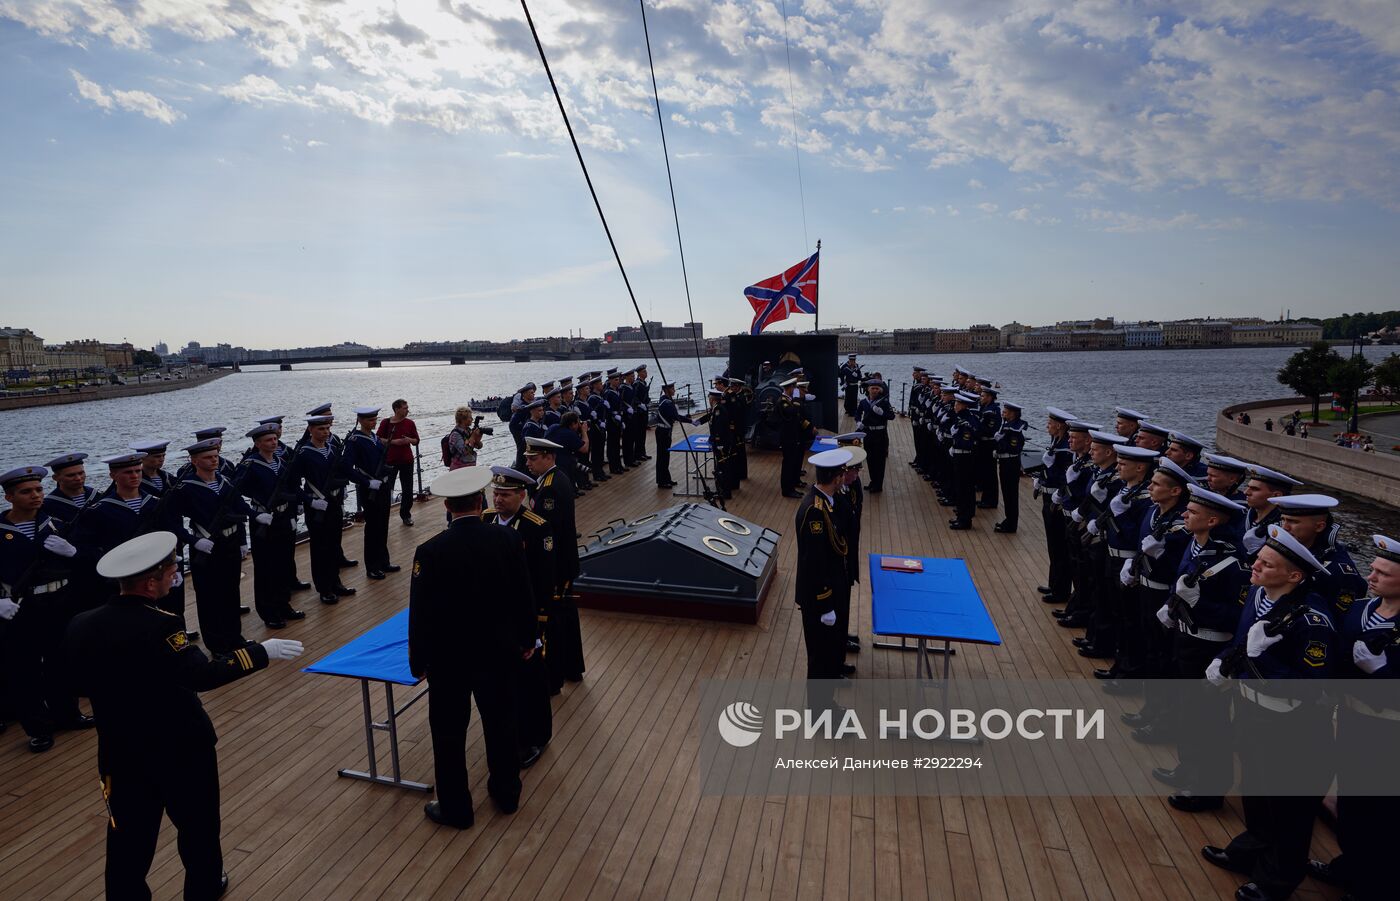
(402,437)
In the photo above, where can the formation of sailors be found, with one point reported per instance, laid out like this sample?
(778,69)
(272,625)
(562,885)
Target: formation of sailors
(1199,567)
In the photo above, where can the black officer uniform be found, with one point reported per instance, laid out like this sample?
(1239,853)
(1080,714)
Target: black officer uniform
(158,484)
(216,512)
(552,498)
(741,404)
(988,427)
(964,429)
(1052,482)
(873,418)
(155,743)
(365,453)
(612,400)
(641,400)
(823,586)
(793,425)
(667,415)
(272,490)
(851,377)
(533,713)
(468,645)
(1010,442)
(323,474)
(599,437)
(628,392)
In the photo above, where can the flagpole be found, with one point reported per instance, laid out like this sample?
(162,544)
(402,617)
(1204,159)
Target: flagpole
(816,296)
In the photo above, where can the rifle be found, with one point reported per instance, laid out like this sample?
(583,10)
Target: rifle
(1159,533)
(1381,640)
(26,578)
(225,498)
(1283,615)
(278,490)
(1177,608)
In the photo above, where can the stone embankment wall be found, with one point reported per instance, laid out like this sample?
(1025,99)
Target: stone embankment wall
(106,392)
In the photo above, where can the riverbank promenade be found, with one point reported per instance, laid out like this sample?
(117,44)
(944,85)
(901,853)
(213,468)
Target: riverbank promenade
(20,400)
(613,809)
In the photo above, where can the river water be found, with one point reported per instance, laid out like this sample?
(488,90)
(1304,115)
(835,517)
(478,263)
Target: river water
(1181,389)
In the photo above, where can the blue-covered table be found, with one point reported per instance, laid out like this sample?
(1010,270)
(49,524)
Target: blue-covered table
(698,453)
(379,655)
(939,604)
(823,443)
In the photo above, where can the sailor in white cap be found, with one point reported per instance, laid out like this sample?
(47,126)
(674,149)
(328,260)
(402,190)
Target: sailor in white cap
(963,430)
(470,623)
(510,508)
(823,588)
(154,478)
(850,507)
(1203,610)
(1225,475)
(1368,732)
(1308,517)
(122,513)
(1281,650)
(1125,422)
(35,573)
(850,377)
(552,497)
(367,456)
(1048,485)
(71,492)
(667,415)
(155,743)
(793,427)
(322,470)
(1010,442)
(1262,486)
(873,416)
(270,488)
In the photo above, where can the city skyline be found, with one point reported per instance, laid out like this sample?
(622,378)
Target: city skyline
(398,170)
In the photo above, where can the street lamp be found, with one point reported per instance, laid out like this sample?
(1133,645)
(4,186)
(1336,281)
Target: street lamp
(1356,395)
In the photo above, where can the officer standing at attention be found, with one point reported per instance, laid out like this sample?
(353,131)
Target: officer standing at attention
(1010,441)
(217,513)
(873,417)
(666,418)
(469,644)
(989,426)
(322,470)
(1285,637)
(1057,458)
(964,429)
(553,499)
(270,489)
(533,713)
(790,430)
(600,429)
(34,610)
(612,400)
(155,743)
(851,377)
(823,577)
(850,499)
(642,401)
(628,392)
(366,453)
(721,433)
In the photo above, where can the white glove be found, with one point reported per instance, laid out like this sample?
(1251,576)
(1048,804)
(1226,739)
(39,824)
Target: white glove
(60,546)
(1257,642)
(1098,491)
(1360,654)
(1191,595)
(829,618)
(1165,618)
(204,546)
(374,484)
(264,519)
(1059,497)
(9,608)
(1213,674)
(1152,547)
(1117,505)
(1077,516)
(1093,527)
(1125,575)
(178,580)
(282,648)
(243,552)
(318,504)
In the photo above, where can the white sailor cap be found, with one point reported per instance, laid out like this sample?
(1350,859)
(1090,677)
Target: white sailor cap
(150,446)
(1061,415)
(1272,476)
(139,555)
(1154,429)
(1106,437)
(858,454)
(257,431)
(715,392)
(319,409)
(202,447)
(1227,463)
(23,474)
(960,371)
(213,431)
(1137,454)
(831,459)
(505,477)
(366,411)
(788,384)
(963,397)
(1186,440)
(65,461)
(1170,467)
(1008,405)
(1280,540)
(1210,498)
(320,420)
(1388,548)
(1079,425)
(1304,504)
(462,482)
(1127,413)
(277,420)
(123,461)
(850,438)
(534,447)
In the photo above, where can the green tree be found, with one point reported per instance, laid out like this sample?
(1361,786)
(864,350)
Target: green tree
(1306,372)
(1348,378)
(145,358)
(1387,377)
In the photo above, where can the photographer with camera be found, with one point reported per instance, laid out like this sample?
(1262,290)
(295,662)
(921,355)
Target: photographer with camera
(401,434)
(464,440)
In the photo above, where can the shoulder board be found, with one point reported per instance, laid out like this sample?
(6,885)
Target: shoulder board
(489,511)
(548,480)
(531,516)
(158,610)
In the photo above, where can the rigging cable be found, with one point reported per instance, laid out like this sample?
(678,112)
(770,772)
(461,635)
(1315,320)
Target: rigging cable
(712,497)
(796,148)
(675,213)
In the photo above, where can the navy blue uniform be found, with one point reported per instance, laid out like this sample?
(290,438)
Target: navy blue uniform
(322,471)
(850,378)
(364,455)
(217,513)
(273,489)
(873,418)
(641,400)
(988,428)
(1051,485)
(1010,442)
(667,415)
(964,431)
(612,400)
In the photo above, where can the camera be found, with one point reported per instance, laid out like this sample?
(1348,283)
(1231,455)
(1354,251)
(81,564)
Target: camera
(477,426)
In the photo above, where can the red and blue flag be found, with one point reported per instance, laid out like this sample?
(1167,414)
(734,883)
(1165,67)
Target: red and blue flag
(776,298)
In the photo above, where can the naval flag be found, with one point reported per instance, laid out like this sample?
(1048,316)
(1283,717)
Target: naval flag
(774,299)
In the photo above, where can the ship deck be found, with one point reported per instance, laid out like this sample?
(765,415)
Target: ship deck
(614,809)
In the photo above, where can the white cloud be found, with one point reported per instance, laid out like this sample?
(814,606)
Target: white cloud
(987,207)
(148,105)
(521,155)
(315,143)
(975,184)
(1020,215)
(1126,222)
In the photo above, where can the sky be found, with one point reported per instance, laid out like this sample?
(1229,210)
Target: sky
(281,173)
